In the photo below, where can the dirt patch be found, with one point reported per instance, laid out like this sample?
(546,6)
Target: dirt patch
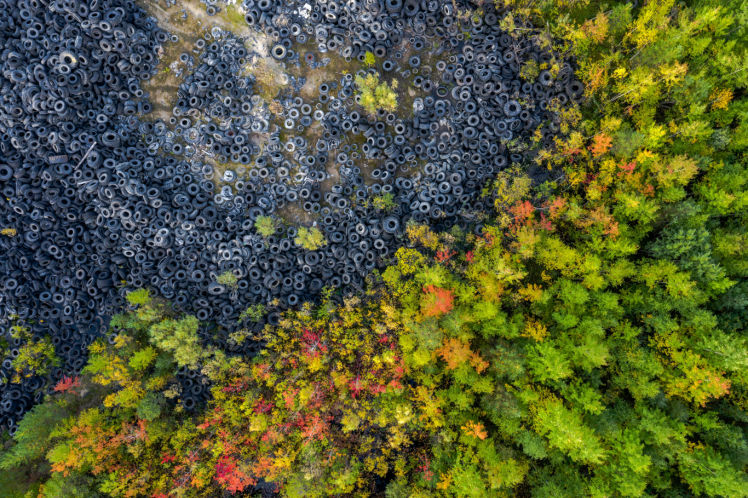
(270,77)
(294,214)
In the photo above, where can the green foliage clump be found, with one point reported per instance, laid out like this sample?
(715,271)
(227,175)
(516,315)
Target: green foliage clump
(149,408)
(310,238)
(228,279)
(35,357)
(384,202)
(369,59)
(139,297)
(178,337)
(374,95)
(254,313)
(265,225)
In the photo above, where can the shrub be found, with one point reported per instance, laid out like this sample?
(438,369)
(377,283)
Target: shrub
(384,202)
(310,238)
(369,59)
(265,225)
(228,279)
(375,95)
(139,297)
(254,313)
(35,358)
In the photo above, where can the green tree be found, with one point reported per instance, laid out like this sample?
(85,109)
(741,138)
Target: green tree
(35,357)
(265,225)
(310,238)
(31,440)
(374,95)
(178,337)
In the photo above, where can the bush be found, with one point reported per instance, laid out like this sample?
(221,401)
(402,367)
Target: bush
(374,95)
(254,313)
(265,225)
(369,59)
(228,279)
(310,238)
(384,202)
(35,356)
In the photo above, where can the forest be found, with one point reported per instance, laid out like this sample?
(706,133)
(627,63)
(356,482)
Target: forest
(568,320)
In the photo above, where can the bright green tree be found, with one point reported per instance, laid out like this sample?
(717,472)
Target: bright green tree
(310,238)
(374,95)
(265,225)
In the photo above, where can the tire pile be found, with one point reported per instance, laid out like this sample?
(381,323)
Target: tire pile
(103,200)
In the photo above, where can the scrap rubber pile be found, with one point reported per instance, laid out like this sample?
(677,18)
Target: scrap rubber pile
(103,200)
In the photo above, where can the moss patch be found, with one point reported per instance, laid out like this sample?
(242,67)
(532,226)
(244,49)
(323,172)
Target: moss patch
(233,15)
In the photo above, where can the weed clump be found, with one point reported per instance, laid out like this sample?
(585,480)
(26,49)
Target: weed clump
(227,279)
